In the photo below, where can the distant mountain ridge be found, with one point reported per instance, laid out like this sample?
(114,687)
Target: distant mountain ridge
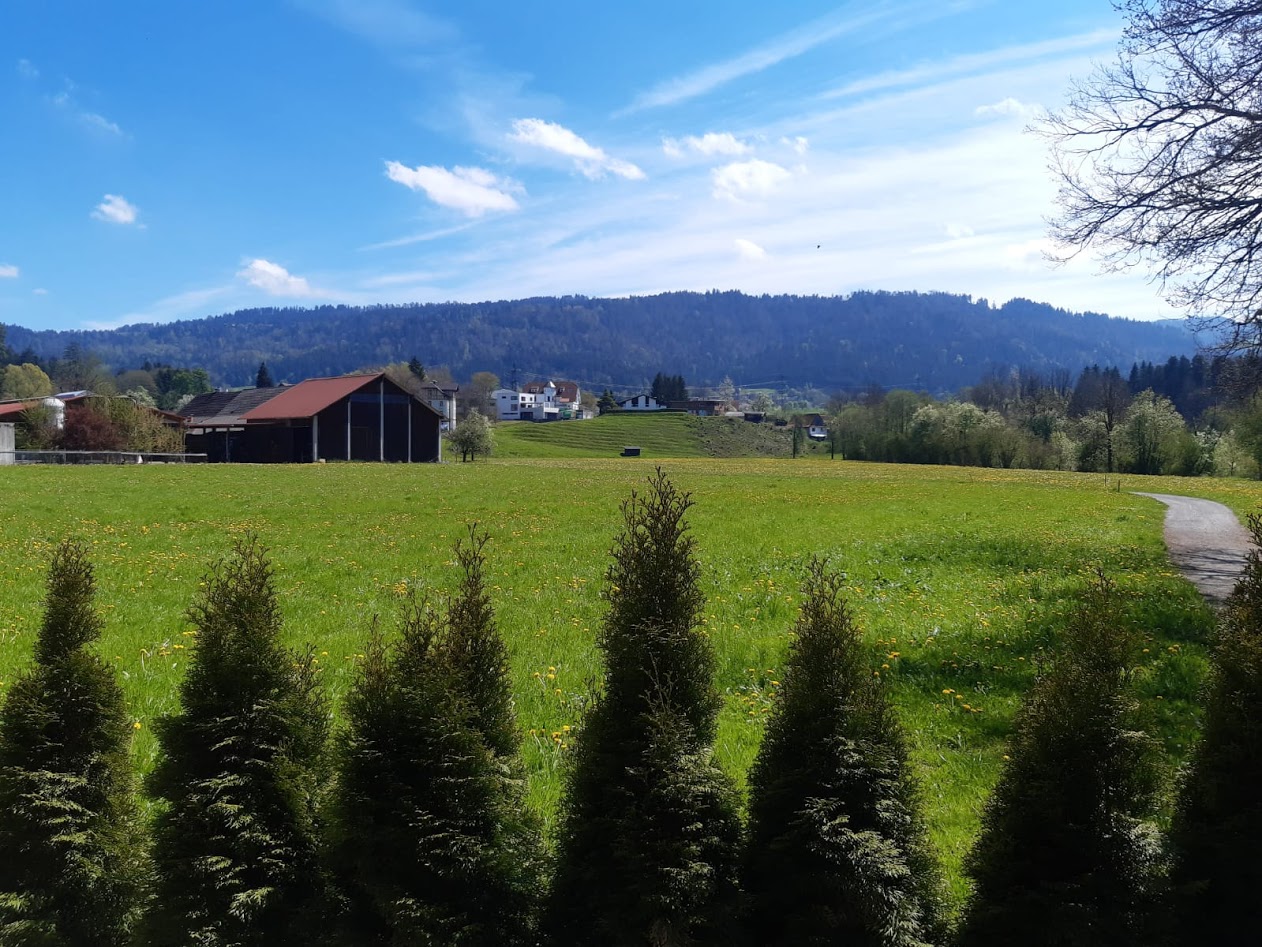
(934,341)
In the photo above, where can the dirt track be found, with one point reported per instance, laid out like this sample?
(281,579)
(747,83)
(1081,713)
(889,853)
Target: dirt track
(1206,543)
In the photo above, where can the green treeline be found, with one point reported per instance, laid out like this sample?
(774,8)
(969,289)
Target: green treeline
(408,823)
(1188,417)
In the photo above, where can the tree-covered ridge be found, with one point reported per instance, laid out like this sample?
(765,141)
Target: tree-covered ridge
(932,341)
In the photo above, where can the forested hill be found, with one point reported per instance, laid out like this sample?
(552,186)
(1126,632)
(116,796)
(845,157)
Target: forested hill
(932,341)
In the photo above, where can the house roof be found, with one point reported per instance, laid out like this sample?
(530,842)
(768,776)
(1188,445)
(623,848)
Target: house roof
(224,408)
(430,389)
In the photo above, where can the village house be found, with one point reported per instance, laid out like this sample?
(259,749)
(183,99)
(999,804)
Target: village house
(442,398)
(641,403)
(540,401)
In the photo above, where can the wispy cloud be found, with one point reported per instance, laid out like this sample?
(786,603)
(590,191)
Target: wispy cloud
(711,143)
(591,161)
(786,46)
(423,237)
(27,70)
(274,279)
(750,251)
(93,120)
(384,22)
(745,180)
(973,63)
(116,209)
(472,191)
(194,302)
(9,271)
(1008,107)
(39,292)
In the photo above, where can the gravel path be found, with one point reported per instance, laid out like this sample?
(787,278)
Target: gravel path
(1206,542)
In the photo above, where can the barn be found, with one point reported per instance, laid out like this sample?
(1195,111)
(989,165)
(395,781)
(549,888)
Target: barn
(350,417)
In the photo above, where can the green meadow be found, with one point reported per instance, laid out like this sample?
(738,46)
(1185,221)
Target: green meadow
(961,578)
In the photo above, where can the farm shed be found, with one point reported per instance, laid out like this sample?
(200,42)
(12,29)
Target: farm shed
(351,417)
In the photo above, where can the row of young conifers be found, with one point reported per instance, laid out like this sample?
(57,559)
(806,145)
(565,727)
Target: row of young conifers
(409,826)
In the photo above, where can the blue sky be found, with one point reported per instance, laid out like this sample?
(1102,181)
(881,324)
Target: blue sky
(163,160)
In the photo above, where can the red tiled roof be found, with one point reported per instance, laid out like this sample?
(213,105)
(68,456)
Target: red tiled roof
(308,398)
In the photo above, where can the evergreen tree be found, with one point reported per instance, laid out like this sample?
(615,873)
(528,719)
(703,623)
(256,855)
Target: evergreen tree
(648,842)
(416,368)
(1216,833)
(431,838)
(837,852)
(236,846)
(71,859)
(1063,856)
(264,377)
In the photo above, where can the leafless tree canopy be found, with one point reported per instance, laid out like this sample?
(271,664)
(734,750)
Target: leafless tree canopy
(1159,156)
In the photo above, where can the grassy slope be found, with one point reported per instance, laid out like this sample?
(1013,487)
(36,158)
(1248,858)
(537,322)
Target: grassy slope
(959,576)
(657,435)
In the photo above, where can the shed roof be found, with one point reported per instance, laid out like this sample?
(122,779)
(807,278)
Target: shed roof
(224,408)
(13,408)
(308,398)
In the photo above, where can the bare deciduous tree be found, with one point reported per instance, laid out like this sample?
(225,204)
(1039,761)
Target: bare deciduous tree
(1159,155)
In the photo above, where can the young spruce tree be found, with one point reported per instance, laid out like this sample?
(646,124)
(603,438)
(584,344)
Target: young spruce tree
(1064,855)
(1216,835)
(649,838)
(236,846)
(71,858)
(837,852)
(431,842)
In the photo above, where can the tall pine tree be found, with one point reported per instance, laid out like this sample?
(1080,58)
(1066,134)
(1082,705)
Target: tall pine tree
(236,845)
(838,852)
(1216,835)
(431,840)
(1064,855)
(649,836)
(71,858)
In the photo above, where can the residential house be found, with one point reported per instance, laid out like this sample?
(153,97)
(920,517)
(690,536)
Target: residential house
(816,429)
(540,401)
(641,403)
(442,398)
(351,417)
(701,407)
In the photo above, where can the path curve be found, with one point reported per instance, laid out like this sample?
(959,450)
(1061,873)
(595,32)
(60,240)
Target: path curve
(1206,543)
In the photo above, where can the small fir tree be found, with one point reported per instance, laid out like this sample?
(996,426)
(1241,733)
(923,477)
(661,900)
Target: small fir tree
(648,843)
(71,857)
(837,852)
(431,839)
(1216,833)
(1064,855)
(236,845)
(416,368)
(264,377)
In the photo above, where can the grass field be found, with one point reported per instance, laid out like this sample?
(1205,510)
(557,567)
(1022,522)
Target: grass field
(961,578)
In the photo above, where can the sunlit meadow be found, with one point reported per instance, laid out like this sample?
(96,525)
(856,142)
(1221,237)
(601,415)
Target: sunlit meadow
(960,577)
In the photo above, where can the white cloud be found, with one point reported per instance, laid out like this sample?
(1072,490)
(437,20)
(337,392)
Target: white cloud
(274,279)
(472,191)
(27,70)
(100,122)
(1008,106)
(593,162)
(39,292)
(786,46)
(116,209)
(386,22)
(711,143)
(799,143)
(748,179)
(958,231)
(9,271)
(748,250)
